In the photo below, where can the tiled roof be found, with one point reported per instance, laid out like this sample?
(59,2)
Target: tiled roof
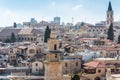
(8,32)
(37,31)
(30,31)
(26,31)
(94,64)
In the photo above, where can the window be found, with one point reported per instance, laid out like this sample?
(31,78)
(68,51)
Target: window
(31,39)
(19,38)
(65,64)
(99,71)
(34,39)
(36,69)
(112,70)
(117,70)
(36,64)
(55,55)
(28,39)
(55,47)
(25,38)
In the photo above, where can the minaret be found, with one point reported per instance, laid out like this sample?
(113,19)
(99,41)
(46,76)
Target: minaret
(53,63)
(109,15)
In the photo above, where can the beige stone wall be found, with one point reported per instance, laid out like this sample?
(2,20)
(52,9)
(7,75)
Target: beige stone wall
(52,43)
(53,70)
(31,51)
(71,66)
(36,67)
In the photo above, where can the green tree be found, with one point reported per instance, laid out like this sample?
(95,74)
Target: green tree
(110,33)
(12,38)
(47,34)
(75,77)
(119,39)
(14,25)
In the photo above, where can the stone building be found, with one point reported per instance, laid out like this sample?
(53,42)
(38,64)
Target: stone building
(30,34)
(53,64)
(96,69)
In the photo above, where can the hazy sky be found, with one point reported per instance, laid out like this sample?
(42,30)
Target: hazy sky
(91,11)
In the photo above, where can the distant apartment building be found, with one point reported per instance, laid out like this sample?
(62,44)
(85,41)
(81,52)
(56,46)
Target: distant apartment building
(57,20)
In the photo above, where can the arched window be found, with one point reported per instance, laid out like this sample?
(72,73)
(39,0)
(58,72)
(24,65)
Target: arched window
(55,47)
(31,39)
(36,64)
(28,39)
(65,64)
(56,56)
(76,63)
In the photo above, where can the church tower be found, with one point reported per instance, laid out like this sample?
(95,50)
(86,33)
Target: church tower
(109,14)
(53,63)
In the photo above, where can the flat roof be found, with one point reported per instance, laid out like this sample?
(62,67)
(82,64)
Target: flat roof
(105,59)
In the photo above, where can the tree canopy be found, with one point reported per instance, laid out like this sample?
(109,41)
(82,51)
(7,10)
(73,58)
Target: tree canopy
(47,34)
(12,38)
(110,32)
(119,39)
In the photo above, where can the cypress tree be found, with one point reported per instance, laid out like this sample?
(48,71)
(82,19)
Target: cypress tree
(110,33)
(119,39)
(47,34)
(12,38)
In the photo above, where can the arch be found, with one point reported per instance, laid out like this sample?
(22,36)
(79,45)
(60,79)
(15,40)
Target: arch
(28,39)
(97,78)
(55,47)
(31,39)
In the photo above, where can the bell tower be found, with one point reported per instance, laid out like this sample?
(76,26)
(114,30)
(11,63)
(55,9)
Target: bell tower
(109,15)
(53,63)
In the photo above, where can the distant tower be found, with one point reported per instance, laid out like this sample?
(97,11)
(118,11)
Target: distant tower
(109,14)
(53,64)
(57,20)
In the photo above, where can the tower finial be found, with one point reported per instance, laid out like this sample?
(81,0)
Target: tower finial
(109,6)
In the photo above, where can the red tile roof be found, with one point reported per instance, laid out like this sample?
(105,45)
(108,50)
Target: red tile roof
(94,64)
